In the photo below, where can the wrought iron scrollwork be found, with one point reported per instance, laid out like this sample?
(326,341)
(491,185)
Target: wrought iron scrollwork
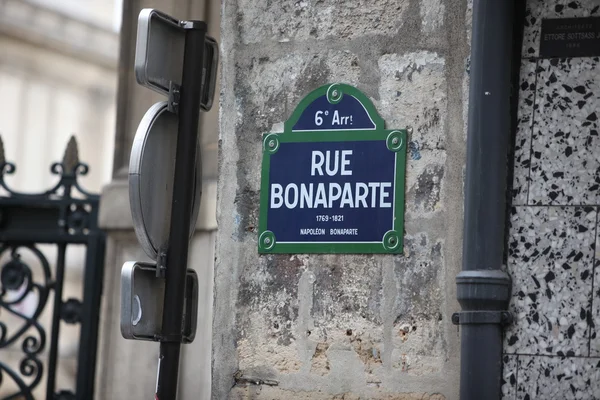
(64,214)
(18,280)
(71,311)
(68,171)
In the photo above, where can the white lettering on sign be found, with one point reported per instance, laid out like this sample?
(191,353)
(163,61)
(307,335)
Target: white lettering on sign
(384,194)
(347,196)
(341,120)
(554,36)
(331,194)
(318,118)
(362,198)
(335,191)
(291,203)
(321,198)
(571,36)
(345,162)
(316,165)
(306,195)
(318,158)
(312,231)
(276,195)
(344,231)
(331,171)
(581,35)
(336,119)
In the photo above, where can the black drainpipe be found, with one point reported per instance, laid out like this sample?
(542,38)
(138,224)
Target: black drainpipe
(483,288)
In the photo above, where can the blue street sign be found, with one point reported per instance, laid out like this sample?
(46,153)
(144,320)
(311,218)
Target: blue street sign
(333,181)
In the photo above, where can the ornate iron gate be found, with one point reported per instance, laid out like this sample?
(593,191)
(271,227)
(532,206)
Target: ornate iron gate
(61,217)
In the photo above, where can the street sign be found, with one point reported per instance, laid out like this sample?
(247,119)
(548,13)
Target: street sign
(570,37)
(142,295)
(151,178)
(160,64)
(159,56)
(177,59)
(333,180)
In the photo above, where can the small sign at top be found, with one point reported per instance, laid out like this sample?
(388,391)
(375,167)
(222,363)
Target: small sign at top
(333,111)
(570,37)
(333,181)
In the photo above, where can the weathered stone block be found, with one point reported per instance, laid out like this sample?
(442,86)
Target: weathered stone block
(301,20)
(432,15)
(413,93)
(424,181)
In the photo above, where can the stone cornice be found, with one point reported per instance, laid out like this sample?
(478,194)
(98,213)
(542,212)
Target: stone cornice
(56,31)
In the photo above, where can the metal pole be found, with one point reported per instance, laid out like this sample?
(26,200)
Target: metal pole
(181,211)
(90,316)
(483,289)
(58,289)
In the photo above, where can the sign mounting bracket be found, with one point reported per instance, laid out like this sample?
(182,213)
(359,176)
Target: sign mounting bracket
(174,95)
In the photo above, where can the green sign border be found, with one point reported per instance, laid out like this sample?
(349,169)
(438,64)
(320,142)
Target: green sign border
(396,140)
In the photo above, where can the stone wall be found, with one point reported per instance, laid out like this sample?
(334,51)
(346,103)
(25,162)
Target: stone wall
(551,350)
(342,326)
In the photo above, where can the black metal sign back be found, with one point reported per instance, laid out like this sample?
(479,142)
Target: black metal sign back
(187,95)
(570,37)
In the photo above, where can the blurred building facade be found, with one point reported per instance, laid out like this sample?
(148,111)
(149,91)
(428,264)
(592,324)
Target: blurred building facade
(58,78)
(60,67)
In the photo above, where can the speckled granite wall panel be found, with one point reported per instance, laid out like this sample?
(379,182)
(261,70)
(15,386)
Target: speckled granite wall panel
(553,236)
(525,117)
(509,377)
(565,161)
(594,337)
(558,378)
(551,252)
